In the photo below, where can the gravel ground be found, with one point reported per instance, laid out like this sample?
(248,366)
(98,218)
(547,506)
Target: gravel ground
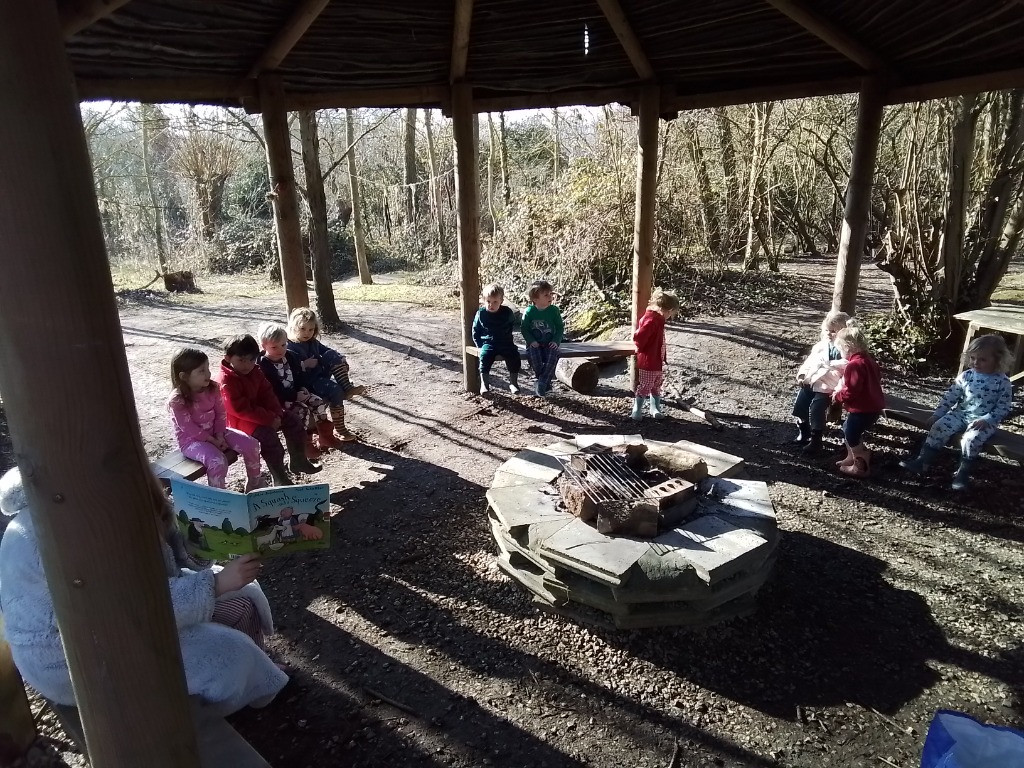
(889,599)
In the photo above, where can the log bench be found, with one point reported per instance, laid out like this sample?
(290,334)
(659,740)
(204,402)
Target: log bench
(1003,443)
(600,350)
(174,466)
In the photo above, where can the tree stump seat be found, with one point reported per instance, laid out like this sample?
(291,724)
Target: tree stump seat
(1003,443)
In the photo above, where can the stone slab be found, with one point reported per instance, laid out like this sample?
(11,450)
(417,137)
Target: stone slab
(713,546)
(720,464)
(738,498)
(607,441)
(508,480)
(580,548)
(534,464)
(561,448)
(524,505)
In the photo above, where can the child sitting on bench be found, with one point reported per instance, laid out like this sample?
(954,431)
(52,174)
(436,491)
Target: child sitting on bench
(200,422)
(861,396)
(492,333)
(542,331)
(326,369)
(817,379)
(975,403)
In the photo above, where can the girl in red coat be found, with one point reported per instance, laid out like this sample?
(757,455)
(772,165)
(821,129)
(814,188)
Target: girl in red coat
(860,393)
(253,408)
(649,338)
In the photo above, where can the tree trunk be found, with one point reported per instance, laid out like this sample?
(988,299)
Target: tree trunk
(506,188)
(707,196)
(556,129)
(357,204)
(316,199)
(729,170)
(410,165)
(961,158)
(158,216)
(490,173)
(436,191)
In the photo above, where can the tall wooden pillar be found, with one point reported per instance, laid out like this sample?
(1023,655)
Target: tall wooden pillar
(643,222)
(76,437)
(282,186)
(468,199)
(870,105)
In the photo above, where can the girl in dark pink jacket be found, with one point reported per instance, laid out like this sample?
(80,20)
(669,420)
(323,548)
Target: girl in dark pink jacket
(649,338)
(860,393)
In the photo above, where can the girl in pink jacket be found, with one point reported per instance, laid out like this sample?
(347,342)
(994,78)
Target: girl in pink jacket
(649,338)
(200,422)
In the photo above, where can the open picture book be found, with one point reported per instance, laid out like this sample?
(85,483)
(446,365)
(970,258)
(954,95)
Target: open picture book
(218,524)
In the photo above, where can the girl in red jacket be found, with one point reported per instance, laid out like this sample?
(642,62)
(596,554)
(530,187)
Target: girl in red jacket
(860,393)
(649,338)
(253,408)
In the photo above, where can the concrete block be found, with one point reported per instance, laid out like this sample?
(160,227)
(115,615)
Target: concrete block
(714,547)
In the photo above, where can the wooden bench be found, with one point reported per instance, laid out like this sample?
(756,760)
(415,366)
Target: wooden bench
(599,350)
(173,466)
(1003,443)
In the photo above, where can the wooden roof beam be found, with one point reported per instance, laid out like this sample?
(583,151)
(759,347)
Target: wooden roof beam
(831,34)
(302,19)
(460,40)
(179,90)
(76,15)
(630,42)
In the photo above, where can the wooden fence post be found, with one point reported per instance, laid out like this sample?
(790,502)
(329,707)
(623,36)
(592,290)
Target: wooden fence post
(643,222)
(72,415)
(282,187)
(468,200)
(870,106)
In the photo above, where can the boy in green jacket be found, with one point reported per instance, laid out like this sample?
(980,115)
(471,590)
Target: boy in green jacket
(542,332)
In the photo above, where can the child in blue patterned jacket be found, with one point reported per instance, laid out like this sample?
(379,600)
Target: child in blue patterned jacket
(977,401)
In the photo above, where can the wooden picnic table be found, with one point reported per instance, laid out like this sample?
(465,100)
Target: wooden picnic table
(1004,318)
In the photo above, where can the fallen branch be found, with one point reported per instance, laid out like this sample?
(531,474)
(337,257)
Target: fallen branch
(700,413)
(391,702)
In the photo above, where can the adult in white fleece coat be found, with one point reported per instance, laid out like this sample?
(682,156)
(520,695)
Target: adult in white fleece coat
(817,379)
(223,666)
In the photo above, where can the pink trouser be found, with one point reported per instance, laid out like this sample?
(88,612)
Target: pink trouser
(211,457)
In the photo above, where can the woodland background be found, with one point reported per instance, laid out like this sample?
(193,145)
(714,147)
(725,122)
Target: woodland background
(739,188)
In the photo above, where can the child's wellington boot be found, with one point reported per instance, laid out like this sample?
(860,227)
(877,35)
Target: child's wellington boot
(255,483)
(338,417)
(638,408)
(312,452)
(861,466)
(803,432)
(485,383)
(847,460)
(813,445)
(279,474)
(920,463)
(297,461)
(354,391)
(656,410)
(962,476)
(513,384)
(325,435)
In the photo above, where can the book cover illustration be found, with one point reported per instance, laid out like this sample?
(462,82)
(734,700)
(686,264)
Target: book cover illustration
(218,524)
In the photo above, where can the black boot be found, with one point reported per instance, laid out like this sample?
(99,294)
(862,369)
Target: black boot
(485,382)
(297,461)
(279,474)
(803,432)
(813,446)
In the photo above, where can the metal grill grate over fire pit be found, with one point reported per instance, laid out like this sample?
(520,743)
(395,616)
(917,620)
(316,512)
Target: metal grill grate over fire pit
(602,487)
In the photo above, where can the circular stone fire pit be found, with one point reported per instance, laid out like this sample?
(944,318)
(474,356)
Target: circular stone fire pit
(699,570)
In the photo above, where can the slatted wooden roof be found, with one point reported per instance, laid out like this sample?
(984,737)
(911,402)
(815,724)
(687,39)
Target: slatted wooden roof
(532,53)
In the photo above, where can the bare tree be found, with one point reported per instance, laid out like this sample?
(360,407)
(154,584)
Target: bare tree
(316,199)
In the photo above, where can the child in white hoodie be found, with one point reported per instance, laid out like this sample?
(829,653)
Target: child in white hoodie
(818,378)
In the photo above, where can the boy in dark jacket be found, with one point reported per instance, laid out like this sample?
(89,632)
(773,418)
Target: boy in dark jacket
(253,408)
(492,333)
(283,370)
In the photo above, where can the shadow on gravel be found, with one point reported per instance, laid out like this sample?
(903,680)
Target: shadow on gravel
(399,570)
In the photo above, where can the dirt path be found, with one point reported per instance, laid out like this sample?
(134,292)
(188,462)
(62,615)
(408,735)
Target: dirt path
(889,599)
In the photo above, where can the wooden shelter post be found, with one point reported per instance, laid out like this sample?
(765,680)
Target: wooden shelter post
(282,188)
(870,106)
(643,222)
(468,199)
(76,438)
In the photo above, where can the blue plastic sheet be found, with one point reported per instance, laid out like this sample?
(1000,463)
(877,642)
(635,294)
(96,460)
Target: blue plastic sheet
(956,740)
